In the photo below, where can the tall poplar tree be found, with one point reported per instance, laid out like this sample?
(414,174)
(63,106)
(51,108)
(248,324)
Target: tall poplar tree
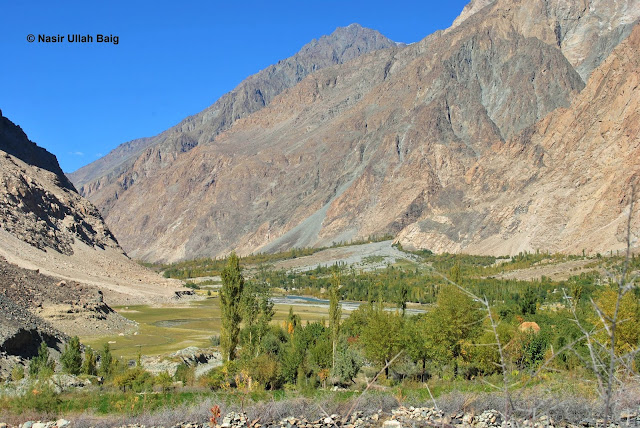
(334,313)
(231,306)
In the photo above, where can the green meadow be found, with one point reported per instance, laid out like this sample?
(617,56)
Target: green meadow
(163,329)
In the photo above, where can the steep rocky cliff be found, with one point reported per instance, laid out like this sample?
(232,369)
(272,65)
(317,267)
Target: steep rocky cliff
(43,208)
(46,225)
(429,141)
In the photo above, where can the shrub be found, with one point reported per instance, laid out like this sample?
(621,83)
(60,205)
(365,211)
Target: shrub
(215,379)
(264,369)
(164,381)
(41,398)
(136,379)
(185,374)
(17,373)
(215,340)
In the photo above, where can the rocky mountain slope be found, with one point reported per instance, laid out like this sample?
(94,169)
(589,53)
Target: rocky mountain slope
(36,308)
(585,31)
(69,306)
(21,333)
(562,185)
(105,179)
(447,142)
(46,225)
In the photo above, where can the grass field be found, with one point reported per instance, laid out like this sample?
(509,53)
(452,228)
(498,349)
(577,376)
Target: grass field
(169,328)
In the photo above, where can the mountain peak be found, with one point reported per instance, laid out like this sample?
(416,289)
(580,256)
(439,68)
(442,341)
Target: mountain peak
(345,44)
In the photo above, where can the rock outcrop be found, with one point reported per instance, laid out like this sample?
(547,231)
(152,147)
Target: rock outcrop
(21,333)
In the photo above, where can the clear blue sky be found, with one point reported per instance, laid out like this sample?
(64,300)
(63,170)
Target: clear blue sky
(173,59)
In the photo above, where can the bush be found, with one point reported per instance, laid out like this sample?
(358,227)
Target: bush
(185,374)
(215,379)
(265,370)
(41,398)
(215,340)
(164,381)
(17,373)
(136,379)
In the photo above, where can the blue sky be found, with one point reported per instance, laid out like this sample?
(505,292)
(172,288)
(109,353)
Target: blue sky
(173,59)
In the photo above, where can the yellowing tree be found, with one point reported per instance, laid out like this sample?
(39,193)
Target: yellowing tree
(627,332)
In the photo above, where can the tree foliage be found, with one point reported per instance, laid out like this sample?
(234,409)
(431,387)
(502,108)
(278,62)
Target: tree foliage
(41,365)
(231,306)
(71,358)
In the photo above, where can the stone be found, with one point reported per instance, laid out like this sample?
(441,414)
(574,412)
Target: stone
(392,424)
(60,423)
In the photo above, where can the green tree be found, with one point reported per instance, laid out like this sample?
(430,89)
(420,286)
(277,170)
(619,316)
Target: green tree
(417,342)
(347,363)
(293,321)
(231,306)
(106,362)
(40,364)
(334,315)
(382,337)
(257,313)
(455,319)
(403,297)
(71,357)
(89,362)
(528,302)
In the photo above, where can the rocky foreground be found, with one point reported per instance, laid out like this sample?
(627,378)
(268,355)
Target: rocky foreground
(397,418)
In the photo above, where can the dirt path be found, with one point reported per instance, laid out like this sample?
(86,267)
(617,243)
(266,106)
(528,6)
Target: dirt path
(366,256)
(122,280)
